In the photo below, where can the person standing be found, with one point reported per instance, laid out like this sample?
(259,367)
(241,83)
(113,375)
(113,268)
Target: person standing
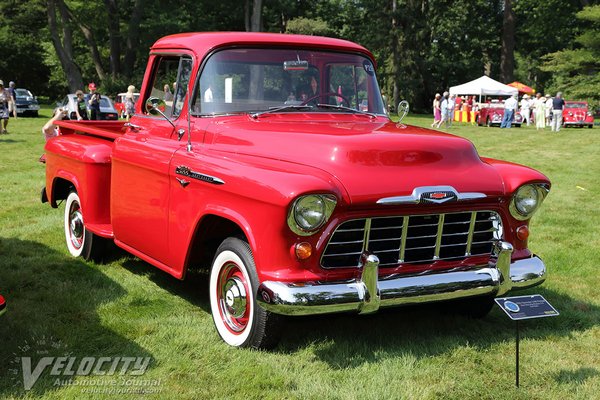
(12,106)
(558,105)
(510,106)
(443,109)
(94,103)
(5,100)
(526,109)
(129,102)
(548,109)
(80,106)
(437,110)
(540,112)
(450,106)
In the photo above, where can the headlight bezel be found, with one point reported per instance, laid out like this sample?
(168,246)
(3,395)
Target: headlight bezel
(541,191)
(329,202)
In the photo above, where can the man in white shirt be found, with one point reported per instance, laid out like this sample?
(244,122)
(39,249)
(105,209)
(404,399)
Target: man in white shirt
(450,107)
(510,106)
(526,108)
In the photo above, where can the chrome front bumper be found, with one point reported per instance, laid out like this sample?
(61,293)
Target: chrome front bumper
(369,293)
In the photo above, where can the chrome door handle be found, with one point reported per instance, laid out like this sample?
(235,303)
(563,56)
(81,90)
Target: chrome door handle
(132,126)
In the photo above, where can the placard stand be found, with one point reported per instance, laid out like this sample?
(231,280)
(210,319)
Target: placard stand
(524,307)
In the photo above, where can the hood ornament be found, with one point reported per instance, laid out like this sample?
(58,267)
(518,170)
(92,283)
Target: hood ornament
(403,109)
(431,195)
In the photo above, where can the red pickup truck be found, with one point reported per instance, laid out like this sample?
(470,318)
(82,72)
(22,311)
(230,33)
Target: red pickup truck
(265,168)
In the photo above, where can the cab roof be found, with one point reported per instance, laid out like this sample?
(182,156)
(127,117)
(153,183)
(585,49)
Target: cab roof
(201,43)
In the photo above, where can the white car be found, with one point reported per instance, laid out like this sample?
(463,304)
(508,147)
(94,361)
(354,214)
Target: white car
(107,109)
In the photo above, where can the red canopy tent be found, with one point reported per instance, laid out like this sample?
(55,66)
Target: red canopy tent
(522,88)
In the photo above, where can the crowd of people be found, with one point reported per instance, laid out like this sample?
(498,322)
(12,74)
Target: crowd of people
(541,110)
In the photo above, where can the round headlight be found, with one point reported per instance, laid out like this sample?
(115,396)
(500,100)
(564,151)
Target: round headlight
(525,201)
(309,212)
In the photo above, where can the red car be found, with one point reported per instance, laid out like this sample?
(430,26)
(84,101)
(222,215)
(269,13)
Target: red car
(120,103)
(577,113)
(2,305)
(296,205)
(491,114)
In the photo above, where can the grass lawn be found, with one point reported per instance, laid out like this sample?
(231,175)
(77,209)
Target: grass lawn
(60,306)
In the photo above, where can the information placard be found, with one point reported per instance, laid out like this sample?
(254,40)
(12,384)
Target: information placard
(526,307)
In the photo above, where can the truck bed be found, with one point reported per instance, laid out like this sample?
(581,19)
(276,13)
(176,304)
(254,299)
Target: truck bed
(105,129)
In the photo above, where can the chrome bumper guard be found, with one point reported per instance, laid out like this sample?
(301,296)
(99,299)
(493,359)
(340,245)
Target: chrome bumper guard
(369,293)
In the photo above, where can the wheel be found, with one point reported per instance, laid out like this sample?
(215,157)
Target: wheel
(590,126)
(80,241)
(35,114)
(488,122)
(473,307)
(233,283)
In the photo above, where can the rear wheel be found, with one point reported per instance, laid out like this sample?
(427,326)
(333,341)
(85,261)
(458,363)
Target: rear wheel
(233,283)
(80,241)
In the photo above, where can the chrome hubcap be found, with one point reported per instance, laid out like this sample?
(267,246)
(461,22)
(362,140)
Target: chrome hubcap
(233,298)
(76,226)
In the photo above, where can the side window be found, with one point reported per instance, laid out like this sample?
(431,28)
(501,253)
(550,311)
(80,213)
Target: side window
(164,78)
(181,86)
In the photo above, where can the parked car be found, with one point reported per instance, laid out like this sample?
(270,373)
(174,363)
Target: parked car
(577,113)
(491,114)
(107,109)
(27,103)
(120,103)
(2,305)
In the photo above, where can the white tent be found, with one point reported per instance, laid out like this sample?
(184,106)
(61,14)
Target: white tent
(484,86)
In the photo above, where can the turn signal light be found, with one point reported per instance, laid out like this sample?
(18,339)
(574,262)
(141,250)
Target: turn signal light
(303,250)
(523,232)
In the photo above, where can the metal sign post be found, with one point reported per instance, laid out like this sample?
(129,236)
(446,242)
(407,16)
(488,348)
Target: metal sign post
(524,307)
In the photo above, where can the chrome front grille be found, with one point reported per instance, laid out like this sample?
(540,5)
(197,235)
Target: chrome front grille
(413,238)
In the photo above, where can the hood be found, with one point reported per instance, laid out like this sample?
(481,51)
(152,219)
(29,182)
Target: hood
(372,159)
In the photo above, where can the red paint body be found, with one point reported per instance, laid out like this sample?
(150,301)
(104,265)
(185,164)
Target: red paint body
(491,114)
(130,191)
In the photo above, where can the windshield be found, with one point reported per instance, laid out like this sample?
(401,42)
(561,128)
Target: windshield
(254,80)
(23,93)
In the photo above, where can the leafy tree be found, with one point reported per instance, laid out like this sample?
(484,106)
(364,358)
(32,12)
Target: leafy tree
(576,71)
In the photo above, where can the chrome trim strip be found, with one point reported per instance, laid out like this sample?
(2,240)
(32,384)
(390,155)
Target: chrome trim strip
(493,279)
(366,234)
(471,231)
(186,171)
(438,239)
(404,235)
(416,196)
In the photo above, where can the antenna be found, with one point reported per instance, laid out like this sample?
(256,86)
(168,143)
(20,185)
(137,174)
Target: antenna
(189,143)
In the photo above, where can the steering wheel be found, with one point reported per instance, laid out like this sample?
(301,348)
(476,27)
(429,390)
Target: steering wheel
(326,94)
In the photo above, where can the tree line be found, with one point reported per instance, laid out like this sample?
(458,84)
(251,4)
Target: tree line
(421,46)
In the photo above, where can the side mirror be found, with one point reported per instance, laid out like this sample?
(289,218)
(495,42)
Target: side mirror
(403,108)
(156,106)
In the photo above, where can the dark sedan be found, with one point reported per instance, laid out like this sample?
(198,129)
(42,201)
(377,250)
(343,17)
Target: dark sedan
(27,103)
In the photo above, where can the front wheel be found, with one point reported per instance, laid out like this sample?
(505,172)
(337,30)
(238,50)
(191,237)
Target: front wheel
(80,241)
(233,283)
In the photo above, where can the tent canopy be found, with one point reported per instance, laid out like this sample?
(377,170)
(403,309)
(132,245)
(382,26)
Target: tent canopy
(484,86)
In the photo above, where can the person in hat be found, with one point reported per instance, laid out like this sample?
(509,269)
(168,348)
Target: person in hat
(5,100)
(94,102)
(526,108)
(540,112)
(437,110)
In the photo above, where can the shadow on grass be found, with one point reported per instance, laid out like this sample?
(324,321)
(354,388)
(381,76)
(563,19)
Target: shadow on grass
(349,340)
(9,139)
(577,376)
(52,301)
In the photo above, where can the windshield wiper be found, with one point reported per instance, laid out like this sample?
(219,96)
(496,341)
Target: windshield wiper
(344,108)
(282,108)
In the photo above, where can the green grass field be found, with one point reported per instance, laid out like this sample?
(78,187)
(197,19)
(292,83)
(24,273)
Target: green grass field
(61,306)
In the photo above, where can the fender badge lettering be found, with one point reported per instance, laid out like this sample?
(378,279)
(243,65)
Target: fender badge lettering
(185,171)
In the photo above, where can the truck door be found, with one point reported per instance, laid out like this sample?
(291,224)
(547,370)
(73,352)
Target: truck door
(141,159)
